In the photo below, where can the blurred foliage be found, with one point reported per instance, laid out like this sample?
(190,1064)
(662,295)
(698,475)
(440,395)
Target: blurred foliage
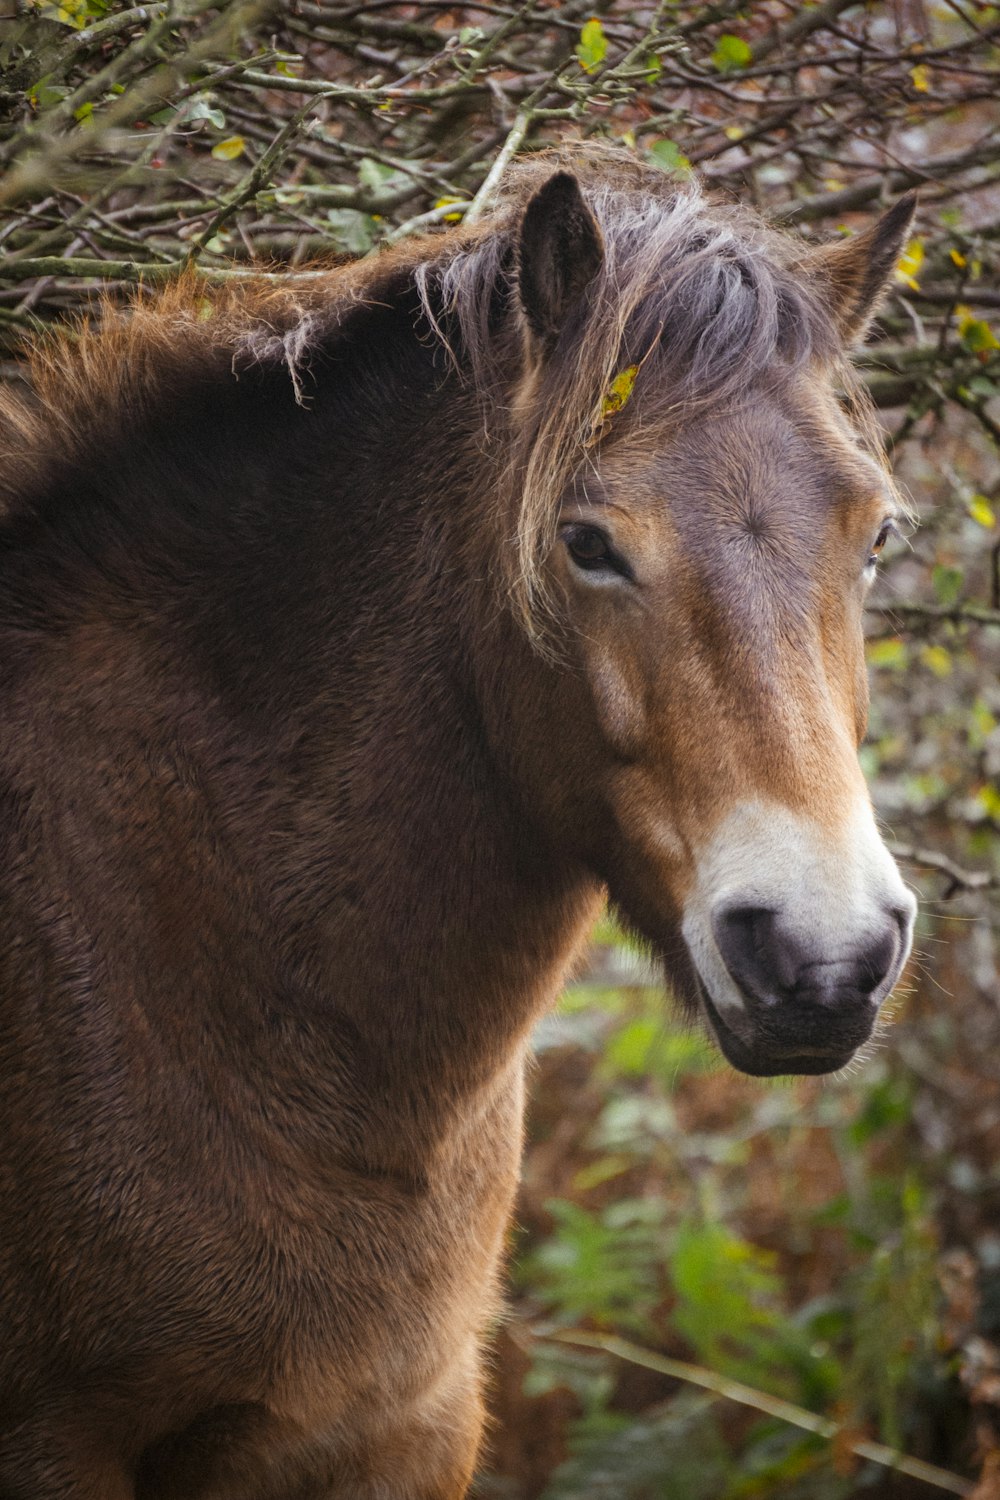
(789,1237)
(830,1244)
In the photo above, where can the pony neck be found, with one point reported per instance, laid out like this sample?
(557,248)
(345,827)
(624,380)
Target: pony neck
(288,607)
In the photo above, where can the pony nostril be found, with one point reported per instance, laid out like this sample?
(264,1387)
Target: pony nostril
(858,978)
(747,939)
(880,958)
(904,916)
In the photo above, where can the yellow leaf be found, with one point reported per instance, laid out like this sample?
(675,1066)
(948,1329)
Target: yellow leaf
(909,264)
(734,132)
(628,139)
(921,78)
(449,218)
(229,149)
(958,258)
(593,45)
(888,653)
(938,659)
(619,390)
(975,333)
(731,53)
(989,799)
(982,511)
(832,184)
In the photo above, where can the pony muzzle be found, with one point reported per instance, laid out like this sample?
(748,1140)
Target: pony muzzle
(797,938)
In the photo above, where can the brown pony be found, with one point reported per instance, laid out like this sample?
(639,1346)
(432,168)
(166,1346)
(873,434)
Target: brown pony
(352,644)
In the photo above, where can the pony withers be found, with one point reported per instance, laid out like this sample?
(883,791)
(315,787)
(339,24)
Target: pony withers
(354,641)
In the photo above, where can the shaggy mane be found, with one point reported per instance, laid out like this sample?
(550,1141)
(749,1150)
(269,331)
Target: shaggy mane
(704,297)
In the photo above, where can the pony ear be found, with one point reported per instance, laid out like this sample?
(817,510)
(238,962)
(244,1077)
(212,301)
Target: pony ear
(857,271)
(560,253)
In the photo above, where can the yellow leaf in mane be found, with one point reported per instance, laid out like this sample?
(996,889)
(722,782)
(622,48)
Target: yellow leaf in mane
(619,390)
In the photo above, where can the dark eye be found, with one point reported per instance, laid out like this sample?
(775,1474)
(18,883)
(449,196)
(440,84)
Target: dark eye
(590,550)
(887,529)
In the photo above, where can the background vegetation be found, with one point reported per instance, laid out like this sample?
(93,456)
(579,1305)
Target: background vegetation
(721,1289)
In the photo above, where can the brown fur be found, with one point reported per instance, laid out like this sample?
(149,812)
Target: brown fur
(301,832)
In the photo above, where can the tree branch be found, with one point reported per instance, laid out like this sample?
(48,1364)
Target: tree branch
(959,879)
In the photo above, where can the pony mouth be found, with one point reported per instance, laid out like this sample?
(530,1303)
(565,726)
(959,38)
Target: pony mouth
(764,1056)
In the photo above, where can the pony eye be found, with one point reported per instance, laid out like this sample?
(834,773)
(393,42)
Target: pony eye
(589,548)
(592,552)
(887,529)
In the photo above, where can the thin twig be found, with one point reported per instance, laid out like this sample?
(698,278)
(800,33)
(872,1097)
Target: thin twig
(968,614)
(964,880)
(513,143)
(771,1406)
(253,181)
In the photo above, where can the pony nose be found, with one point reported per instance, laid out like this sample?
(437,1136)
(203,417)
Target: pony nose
(770,965)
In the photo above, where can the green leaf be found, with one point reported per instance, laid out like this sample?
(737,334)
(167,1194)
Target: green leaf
(886,1103)
(351,230)
(731,53)
(667,154)
(592,47)
(975,333)
(378,178)
(373,174)
(981,725)
(938,659)
(890,653)
(947,583)
(201,109)
(604,1169)
(628,1052)
(604,1266)
(45,95)
(729,1307)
